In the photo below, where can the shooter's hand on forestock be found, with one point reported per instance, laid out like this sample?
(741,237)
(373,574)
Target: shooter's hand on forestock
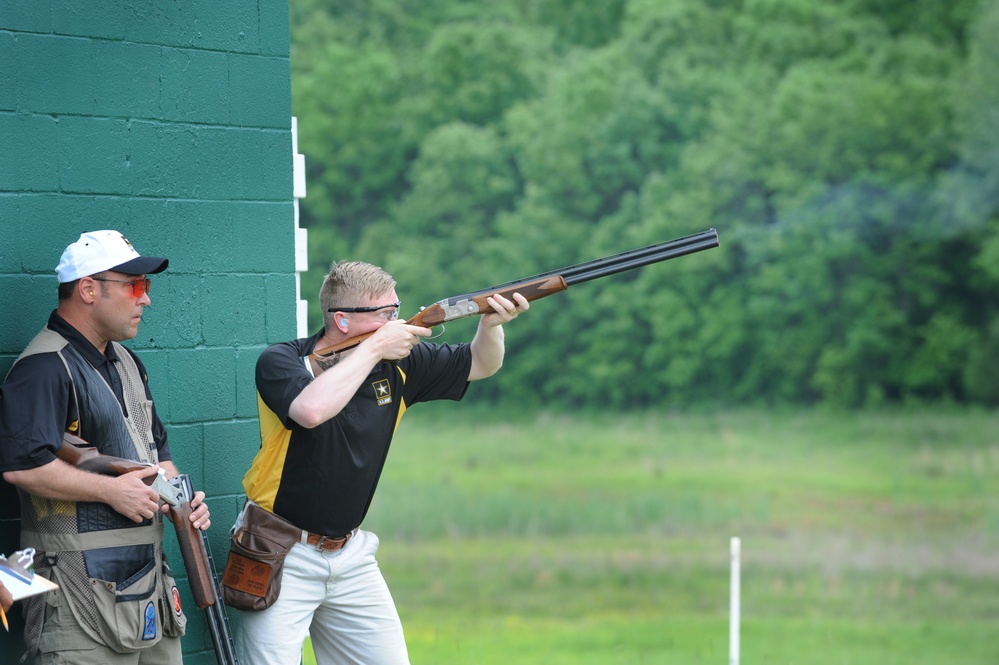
(196,512)
(488,347)
(201,518)
(504,311)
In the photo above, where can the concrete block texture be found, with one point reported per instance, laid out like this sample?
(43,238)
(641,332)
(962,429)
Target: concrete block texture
(61,74)
(170,122)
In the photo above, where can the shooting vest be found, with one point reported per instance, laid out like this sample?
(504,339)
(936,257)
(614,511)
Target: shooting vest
(111,570)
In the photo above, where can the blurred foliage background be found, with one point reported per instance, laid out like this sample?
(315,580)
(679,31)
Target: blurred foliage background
(846,151)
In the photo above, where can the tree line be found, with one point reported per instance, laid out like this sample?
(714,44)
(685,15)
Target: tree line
(845,150)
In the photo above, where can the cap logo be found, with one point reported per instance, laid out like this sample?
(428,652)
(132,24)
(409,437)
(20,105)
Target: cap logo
(127,242)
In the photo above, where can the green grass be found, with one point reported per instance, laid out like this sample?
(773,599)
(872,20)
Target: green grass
(868,538)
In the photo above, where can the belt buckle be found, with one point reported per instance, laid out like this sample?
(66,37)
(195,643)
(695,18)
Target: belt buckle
(335,543)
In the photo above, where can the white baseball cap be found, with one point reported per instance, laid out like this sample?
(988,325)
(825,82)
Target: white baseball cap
(97,251)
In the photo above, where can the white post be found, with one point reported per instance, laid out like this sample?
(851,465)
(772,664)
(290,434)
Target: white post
(301,235)
(733,637)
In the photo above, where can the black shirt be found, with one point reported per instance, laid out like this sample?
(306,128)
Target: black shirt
(36,404)
(323,479)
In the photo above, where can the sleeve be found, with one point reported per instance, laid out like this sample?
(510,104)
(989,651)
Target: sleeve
(281,376)
(159,429)
(34,412)
(437,371)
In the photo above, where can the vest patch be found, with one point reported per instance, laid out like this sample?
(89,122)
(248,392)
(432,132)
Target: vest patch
(176,601)
(149,629)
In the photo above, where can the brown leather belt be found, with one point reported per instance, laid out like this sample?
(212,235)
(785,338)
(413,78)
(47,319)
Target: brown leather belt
(325,543)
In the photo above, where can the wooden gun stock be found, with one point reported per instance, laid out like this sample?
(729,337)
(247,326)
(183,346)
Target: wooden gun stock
(79,453)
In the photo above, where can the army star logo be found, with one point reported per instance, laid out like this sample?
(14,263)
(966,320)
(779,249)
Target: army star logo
(383,393)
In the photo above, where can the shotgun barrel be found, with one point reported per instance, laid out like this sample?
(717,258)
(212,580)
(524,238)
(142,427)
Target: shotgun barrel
(611,265)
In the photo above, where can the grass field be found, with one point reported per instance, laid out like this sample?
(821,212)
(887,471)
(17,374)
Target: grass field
(868,538)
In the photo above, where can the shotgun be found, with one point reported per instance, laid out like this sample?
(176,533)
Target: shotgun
(194,549)
(539,286)
(79,453)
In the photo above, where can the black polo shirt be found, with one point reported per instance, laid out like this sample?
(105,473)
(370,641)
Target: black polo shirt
(36,405)
(323,479)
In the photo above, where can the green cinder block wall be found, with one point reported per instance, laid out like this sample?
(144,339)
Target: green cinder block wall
(171,122)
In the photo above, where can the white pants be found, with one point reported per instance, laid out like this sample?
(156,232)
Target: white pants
(338,598)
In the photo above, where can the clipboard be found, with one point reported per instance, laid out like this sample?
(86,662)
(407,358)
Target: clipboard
(18,575)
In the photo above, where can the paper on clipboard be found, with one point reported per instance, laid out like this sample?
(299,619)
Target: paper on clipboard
(18,576)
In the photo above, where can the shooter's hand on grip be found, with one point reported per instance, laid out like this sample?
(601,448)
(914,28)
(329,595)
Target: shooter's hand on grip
(395,340)
(134,497)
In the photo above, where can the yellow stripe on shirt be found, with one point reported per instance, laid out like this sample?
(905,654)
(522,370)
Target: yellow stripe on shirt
(261,482)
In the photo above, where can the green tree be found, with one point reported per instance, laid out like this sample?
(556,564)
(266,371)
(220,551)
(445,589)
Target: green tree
(357,156)
(473,73)
(845,151)
(972,194)
(587,24)
(439,238)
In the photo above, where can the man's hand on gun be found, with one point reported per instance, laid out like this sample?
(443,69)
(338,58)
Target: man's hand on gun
(172,495)
(199,516)
(138,489)
(134,498)
(144,491)
(395,340)
(504,311)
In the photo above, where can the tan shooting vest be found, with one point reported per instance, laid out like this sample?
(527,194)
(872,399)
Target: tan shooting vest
(110,570)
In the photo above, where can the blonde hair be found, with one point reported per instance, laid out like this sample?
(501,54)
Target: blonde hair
(348,282)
